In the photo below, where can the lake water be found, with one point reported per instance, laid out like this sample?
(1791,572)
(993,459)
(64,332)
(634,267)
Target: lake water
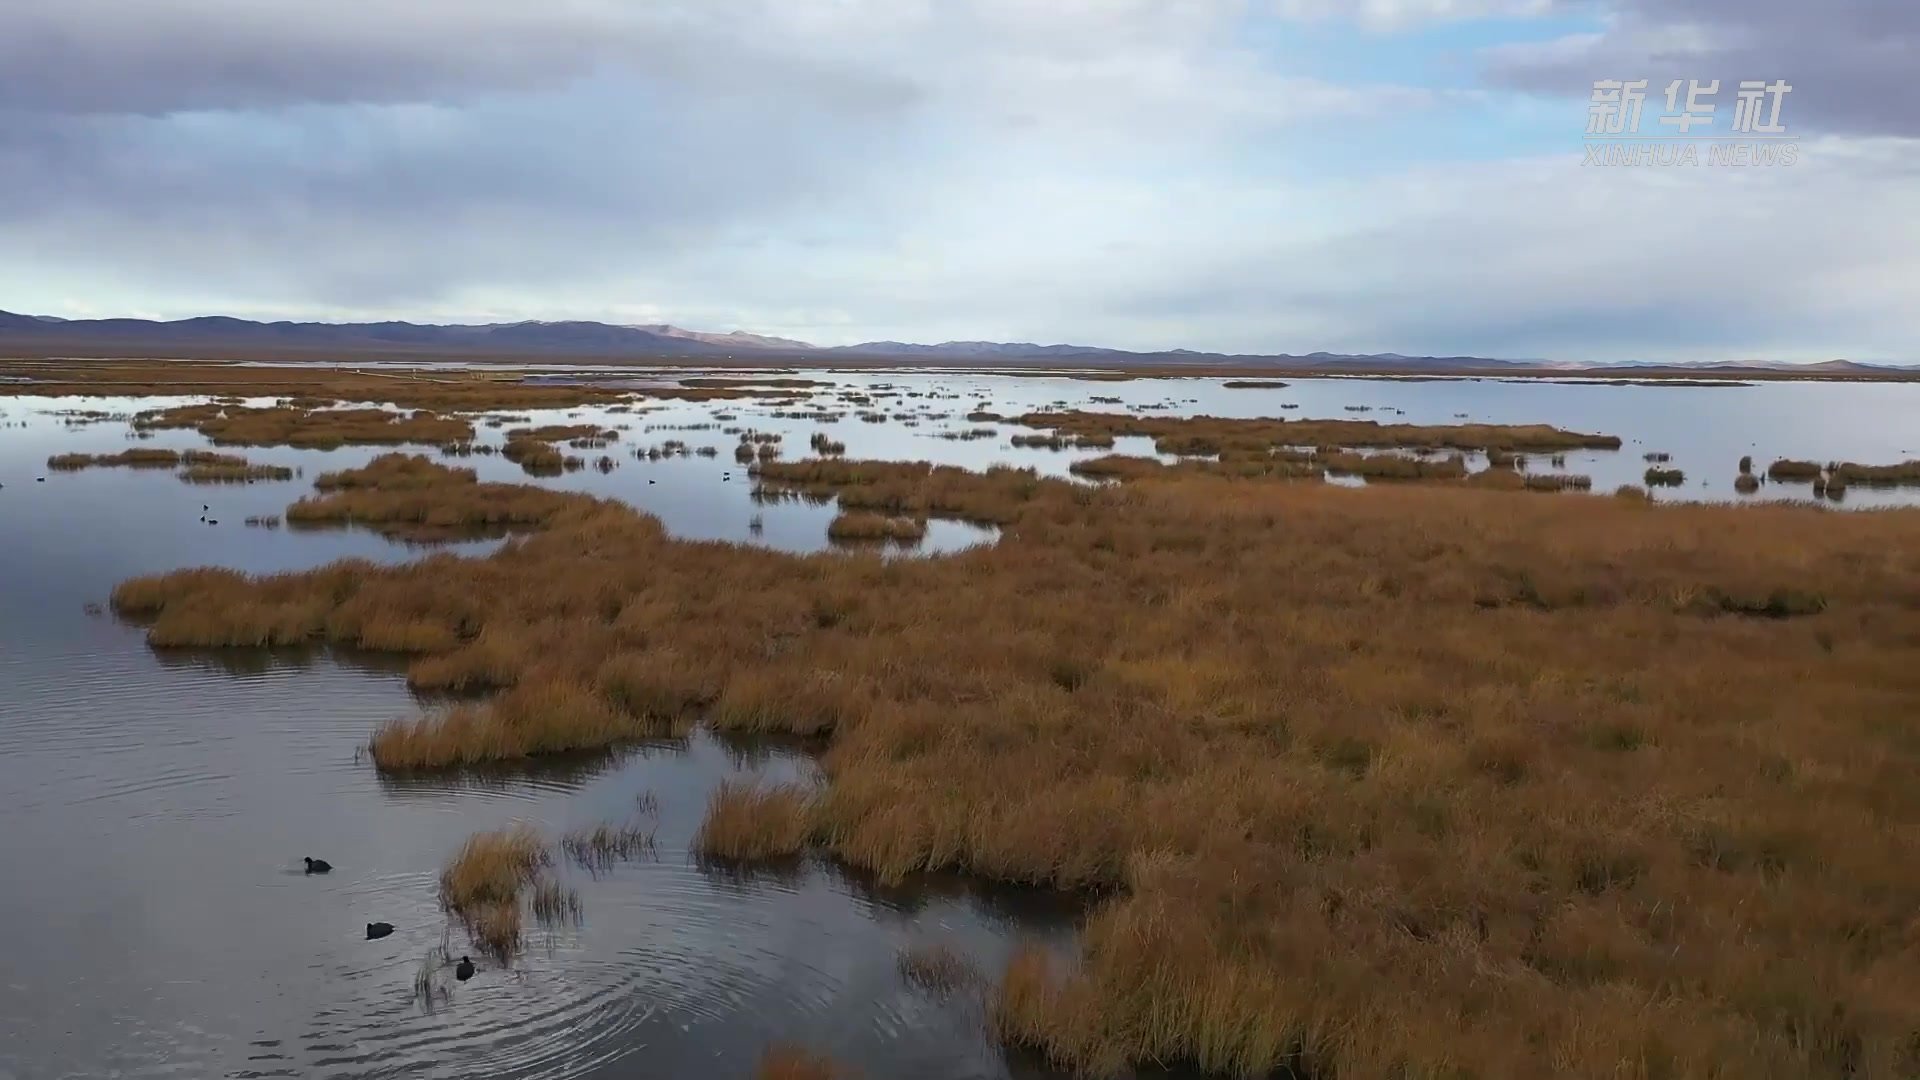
(156,805)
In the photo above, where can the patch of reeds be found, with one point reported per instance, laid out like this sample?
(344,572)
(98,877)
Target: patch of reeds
(1746,483)
(599,848)
(528,720)
(484,882)
(1907,472)
(237,473)
(826,445)
(858,526)
(1789,469)
(1659,477)
(415,497)
(1253,384)
(1474,778)
(751,823)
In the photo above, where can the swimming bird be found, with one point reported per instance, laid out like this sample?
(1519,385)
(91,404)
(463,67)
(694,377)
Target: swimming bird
(318,866)
(464,971)
(378,930)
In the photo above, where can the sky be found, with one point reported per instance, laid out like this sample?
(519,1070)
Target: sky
(1251,176)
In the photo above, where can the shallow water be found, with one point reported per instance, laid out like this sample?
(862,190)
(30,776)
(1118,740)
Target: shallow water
(157,804)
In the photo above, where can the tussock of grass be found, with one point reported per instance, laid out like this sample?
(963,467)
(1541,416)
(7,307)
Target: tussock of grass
(1659,477)
(483,884)
(240,473)
(531,718)
(1253,384)
(856,526)
(1420,778)
(132,459)
(747,823)
(239,425)
(1789,469)
(1907,472)
(418,498)
(1746,483)
(1394,466)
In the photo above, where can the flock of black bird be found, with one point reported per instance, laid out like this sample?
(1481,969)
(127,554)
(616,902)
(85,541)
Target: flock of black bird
(376,930)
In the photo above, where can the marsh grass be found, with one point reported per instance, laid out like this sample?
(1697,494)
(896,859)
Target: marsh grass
(1394,782)
(554,904)
(131,459)
(1905,473)
(750,823)
(234,473)
(856,526)
(1659,477)
(598,849)
(1789,469)
(483,884)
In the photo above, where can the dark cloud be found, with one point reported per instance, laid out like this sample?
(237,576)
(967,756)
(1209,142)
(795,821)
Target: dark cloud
(154,57)
(1851,62)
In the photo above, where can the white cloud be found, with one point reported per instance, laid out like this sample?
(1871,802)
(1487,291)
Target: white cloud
(1401,14)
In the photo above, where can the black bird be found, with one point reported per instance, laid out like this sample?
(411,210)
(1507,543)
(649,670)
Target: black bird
(318,866)
(203,508)
(464,971)
(210,521)
(378,930)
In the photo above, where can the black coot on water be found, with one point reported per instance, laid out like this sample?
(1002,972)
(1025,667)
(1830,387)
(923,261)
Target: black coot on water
(378,930)
(318,866)
(464,971)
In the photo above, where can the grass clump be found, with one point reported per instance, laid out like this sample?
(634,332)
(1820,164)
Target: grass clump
(131,459)
(1659,477)
(599,848)
(483,884)
(1789,469)
(748,823)
(865,527)
(416,498)
(1907,472)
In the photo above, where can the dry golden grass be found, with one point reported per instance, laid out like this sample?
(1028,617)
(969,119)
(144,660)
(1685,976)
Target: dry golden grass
(746,823)
(1907,472)
(1209,435)
(483,884)
(234,473)
(783,1061)
(439,390)
(317,428)
(1414,781)
(414,497)
(858,526)
(132,459)
(1788,469)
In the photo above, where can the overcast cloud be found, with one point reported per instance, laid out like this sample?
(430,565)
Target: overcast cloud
(1140,173)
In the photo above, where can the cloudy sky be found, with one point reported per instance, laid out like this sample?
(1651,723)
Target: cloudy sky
(1241,175)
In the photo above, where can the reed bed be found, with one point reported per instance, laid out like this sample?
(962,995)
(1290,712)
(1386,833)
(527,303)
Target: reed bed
(1661,477)
(416,498)
(748,823)
(483,884)
(1905,473)
(1413,781)
(131,459)
(1209,435)
(241,473)
(1789,469)
(856,526)
(314,428)
(1254,384)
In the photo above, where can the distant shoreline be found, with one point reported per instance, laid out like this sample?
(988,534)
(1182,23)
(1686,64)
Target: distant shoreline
(54,352)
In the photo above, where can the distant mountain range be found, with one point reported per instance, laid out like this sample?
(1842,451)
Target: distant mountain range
(218,336)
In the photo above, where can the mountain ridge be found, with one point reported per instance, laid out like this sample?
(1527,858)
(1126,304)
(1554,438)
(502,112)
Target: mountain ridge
(586,339)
